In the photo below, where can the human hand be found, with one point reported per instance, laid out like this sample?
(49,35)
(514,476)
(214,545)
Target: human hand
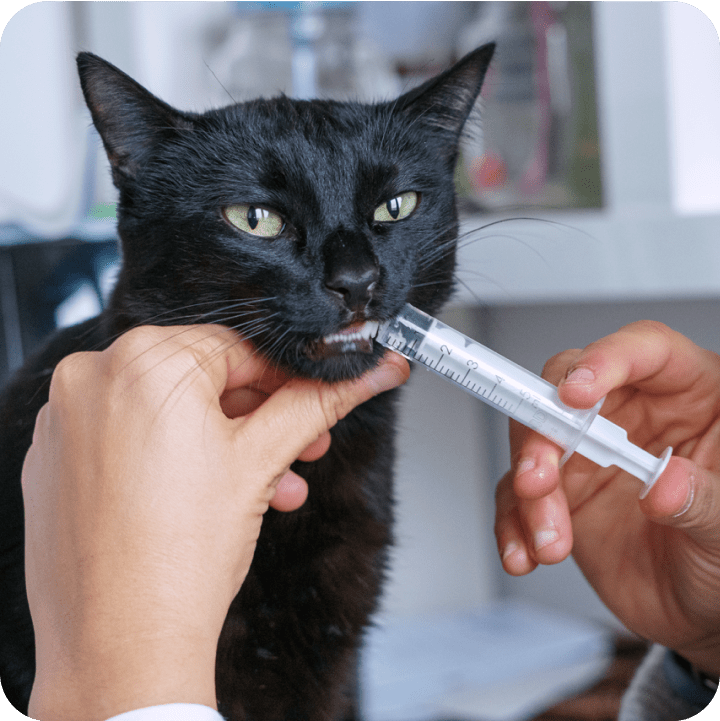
(654,562)
(145,487)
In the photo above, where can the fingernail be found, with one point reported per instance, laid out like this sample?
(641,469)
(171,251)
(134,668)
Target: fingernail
(525,465)
(529,464)
(509,549)
(514,549)
(688,500)
(545,537)
(387,375)
(580,375)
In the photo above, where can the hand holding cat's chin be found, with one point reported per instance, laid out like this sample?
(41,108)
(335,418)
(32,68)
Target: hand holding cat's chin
(144,502)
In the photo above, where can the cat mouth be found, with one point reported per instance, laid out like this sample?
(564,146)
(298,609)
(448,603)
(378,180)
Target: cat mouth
(356,338)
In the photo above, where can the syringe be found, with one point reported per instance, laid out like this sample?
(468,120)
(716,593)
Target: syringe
(518,393)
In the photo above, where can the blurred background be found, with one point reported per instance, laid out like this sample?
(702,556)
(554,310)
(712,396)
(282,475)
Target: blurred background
(598,117)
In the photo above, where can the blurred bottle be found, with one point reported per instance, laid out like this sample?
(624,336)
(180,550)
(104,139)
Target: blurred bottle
(302,49)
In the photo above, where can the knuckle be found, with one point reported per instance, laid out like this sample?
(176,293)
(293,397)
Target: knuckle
(69,376)
(325,406)
(140,351)
(179,350)
(135,343)
(132,358)
(652,335)
(503,488)
(332,405)
(651,327)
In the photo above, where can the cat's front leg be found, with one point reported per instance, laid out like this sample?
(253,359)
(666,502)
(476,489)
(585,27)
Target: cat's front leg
(289,648)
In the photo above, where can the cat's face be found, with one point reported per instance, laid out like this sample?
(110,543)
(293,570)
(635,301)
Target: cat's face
(301,224)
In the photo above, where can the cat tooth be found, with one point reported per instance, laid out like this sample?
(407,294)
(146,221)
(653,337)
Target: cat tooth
(370,329)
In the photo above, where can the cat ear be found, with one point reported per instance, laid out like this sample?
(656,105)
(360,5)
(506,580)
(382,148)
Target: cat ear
(130,119)
(445,101)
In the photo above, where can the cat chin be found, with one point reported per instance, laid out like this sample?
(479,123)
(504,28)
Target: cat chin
(322,350)
(338,361)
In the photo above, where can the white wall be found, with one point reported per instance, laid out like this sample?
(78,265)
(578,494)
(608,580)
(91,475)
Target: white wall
(41,141)
(693,66)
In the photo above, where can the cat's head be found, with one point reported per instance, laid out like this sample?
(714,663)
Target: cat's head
(299,223)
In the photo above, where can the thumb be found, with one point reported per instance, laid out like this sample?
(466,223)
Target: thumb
(299,412)
(686,497)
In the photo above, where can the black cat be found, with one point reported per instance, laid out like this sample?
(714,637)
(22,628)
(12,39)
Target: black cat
(299,224)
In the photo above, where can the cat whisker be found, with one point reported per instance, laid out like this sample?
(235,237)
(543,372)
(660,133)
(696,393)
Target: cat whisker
(195,318)
(274,345)
(475,296)
(212,72)
(466,237)
(245,325)
(241,329)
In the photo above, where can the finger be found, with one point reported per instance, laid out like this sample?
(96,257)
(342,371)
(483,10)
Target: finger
(317,449)
(514,552)
(242,401)
(291,493)
(238,402)
(645,354)
(301,411)
(547,527)
(687,497)
(536,467)
(529,532)
(509,534)
(556,368)
(259,374)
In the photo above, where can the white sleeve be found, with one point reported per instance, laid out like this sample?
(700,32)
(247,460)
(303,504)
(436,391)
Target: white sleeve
(171,712)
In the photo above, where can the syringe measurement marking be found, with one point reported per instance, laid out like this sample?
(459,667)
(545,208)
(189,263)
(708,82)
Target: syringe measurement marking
(468,380)
(497,399)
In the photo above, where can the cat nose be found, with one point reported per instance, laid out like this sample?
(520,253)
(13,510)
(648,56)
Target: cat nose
(354,285)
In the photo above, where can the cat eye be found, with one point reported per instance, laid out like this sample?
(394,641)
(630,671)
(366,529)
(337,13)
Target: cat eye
(396,208)
(254,220)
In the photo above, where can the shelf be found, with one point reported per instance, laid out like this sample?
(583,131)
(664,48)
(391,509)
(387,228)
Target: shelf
(591,256)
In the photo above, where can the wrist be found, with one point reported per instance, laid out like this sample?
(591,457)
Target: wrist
(112,680)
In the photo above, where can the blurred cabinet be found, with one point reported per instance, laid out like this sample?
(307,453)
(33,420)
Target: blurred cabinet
(657,67)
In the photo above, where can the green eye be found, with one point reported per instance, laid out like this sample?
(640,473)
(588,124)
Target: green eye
(255,220)
(396,208)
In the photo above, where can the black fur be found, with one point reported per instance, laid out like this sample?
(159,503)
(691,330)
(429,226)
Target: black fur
(289,645)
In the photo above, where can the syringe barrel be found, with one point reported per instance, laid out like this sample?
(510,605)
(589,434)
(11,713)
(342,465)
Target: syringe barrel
(487,375)
(518,393)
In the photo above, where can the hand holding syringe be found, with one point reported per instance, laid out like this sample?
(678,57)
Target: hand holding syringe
(518,393)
